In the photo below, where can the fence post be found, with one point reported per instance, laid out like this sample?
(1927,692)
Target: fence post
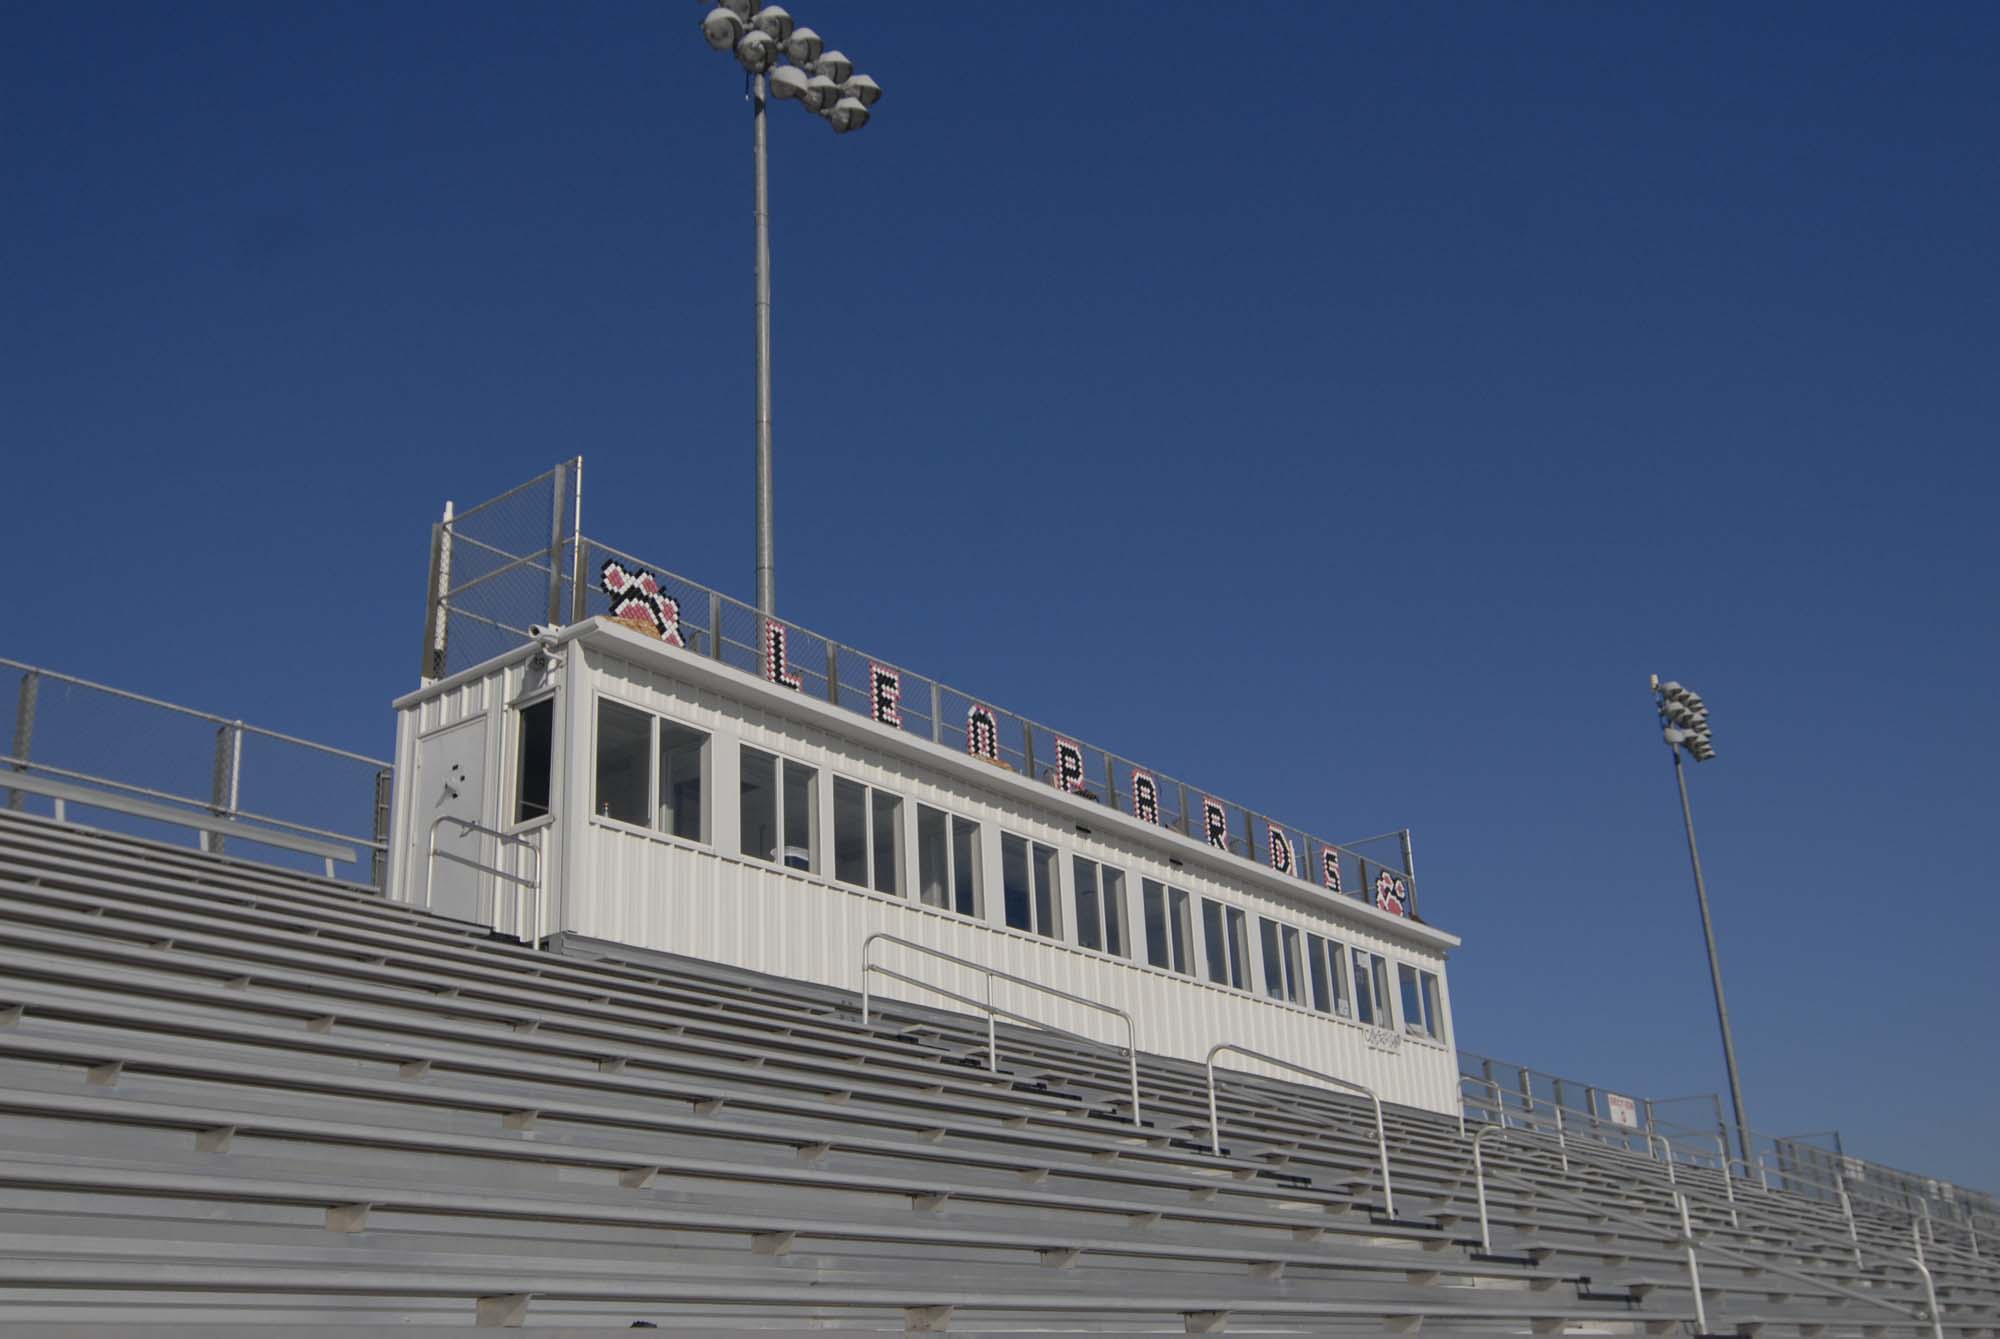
(1186,829)
(1110,782)
(579,585)
(384,788)
(432,666)
(24,726)
(223,780)
(1410,872)
(558,488)
(715,625)
(833,675)
(1028,749)
(937,713)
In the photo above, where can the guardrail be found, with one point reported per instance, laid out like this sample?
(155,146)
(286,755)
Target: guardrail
(992,1010)
(1381,1138)
(1682,1194)
(504,839)
(78,742)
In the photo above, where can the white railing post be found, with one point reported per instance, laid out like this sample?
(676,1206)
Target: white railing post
(1930,1286)
(1694,1264)
(992,1029)
(1479,1185)
(1728,1181)
(1381,1131)
(1847,1212)
(1562,1140)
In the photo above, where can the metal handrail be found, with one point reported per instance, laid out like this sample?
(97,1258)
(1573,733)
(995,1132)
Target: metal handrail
(1686,1239)
(433,855)
(991,974)
(208,716)
(1381,1137)
(1682,1195)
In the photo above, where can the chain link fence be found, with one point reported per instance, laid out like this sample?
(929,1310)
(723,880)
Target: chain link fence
(155,769)
(500,567)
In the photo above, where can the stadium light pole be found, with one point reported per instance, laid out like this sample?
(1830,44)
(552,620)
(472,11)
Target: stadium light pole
(1684,725)
(763,38)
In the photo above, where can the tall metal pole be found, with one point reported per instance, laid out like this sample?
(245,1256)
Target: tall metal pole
(766,576)
(1714,966)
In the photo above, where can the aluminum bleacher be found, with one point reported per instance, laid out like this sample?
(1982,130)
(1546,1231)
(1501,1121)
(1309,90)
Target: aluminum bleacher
(243,1101)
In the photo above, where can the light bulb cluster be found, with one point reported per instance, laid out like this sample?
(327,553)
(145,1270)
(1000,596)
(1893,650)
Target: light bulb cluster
(763,37)
(1684,719)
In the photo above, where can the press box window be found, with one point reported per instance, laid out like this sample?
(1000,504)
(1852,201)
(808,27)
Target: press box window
(1028,880)
(1327,962)
(1282,974)
(535,728)
(683,760)
(1167,931)
(948,862)
(1420,1002)
(1100,907)
(780,798)
(1222,929)
(867,837)
(624,763)
(1371,990)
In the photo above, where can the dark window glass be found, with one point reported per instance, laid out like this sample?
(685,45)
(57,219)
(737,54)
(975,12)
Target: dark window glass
(760,805)
(624,764)
(1158,951)
(1047,922)
(1114,914)
(933,856)
(801,817)
(850,832)
(888,821)
(1213,942)
(1014,882)
(965,867)
(1274,962)
(683,759)
(1089,913)
(535,728)
(1316,959)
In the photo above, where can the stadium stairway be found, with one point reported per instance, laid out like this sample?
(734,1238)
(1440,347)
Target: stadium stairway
(239,1101)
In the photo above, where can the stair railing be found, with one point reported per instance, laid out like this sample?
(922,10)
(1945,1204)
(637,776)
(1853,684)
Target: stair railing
(1381,1138)
(432,855)
(994,1011)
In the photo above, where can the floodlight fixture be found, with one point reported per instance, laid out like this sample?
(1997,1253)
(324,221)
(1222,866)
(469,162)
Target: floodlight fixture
(834,66)
(774,22)
(756,51)
(802,47)
(722,27)
(821,93)
(847,114)
(788,82)
(767,41)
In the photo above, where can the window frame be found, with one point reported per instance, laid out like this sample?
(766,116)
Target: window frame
(1231,927)
(974,866)
(1043,898)
(1176,927)
(780,779)
(870,871)
(1109,911)
(547,698)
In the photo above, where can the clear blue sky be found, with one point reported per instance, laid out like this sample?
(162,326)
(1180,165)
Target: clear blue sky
(1346,406)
